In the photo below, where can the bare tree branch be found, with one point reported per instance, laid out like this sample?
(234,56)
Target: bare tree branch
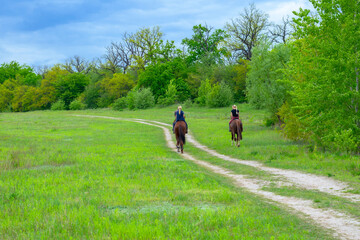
(77,64)
(281,32)
(246,30)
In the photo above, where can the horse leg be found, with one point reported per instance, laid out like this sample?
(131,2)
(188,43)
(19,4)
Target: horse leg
(177,145)
(236,139)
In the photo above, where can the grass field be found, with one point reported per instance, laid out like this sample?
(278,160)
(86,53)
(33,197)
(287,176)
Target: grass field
(69,177)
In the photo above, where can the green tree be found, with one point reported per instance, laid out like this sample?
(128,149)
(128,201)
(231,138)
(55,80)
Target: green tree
(323,73)
(157,76)
(70,86)
(24,98)
(23,73)
(205,46)
(234,75)
(115,87)
(265,88)
(6,96)
(147,41)
(91,96)
(170,96)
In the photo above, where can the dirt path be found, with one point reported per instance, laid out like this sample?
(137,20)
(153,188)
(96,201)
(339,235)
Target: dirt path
(341,225)
(301,180)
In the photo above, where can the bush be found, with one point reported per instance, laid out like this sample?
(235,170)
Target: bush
(188,103)
(203,92)
(91,96)
(59,105)
(76,105)
(130,99)
(165,101)
(119,104)
(182,91)
(220,96)
(105,100)
(144,99)
(170,96)
(345,141)
(292,127)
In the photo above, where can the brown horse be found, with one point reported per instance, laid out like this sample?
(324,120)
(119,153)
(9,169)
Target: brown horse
(180,131)
(236,128)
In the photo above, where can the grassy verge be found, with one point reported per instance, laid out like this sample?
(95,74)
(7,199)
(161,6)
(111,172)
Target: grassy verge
(68,177)
(321,200)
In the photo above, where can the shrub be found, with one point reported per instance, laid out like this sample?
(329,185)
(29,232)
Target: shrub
(188,103)
(70,86)
(91,96)
(181,92)
(220,96)
(76,105)
(119,104)
(59,105)
(130,99)
(170,96)
(292,127)
(105,100)
(345,141)
(203,93)
(144,99)
(165,101)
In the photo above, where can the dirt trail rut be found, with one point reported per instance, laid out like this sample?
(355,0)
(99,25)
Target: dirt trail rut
(341,225)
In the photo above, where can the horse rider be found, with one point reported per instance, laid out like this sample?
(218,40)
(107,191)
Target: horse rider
(234,115)
(179,116)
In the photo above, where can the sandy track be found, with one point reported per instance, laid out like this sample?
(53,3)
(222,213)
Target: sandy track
(341,225)
(299,179)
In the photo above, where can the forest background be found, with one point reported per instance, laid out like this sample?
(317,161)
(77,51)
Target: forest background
(305,72)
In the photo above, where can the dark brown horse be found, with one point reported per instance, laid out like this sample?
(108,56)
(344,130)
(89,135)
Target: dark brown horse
(180,131)
(236,128)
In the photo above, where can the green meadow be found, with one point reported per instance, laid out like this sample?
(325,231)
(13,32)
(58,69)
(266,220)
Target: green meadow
(68,177)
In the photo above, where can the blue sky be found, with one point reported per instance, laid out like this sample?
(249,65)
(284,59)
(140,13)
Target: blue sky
(46,32)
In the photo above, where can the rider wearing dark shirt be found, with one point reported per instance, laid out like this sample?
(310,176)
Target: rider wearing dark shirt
(179,116)
(234,115)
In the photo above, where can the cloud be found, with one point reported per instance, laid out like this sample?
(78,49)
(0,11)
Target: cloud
(279,9)
(38,32)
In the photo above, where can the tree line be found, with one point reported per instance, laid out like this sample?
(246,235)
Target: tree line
(305,72)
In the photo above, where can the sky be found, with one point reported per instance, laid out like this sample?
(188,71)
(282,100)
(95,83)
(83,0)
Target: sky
(48,32)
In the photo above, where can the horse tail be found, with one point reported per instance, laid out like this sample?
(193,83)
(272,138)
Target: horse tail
(240,129)
(181,134)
